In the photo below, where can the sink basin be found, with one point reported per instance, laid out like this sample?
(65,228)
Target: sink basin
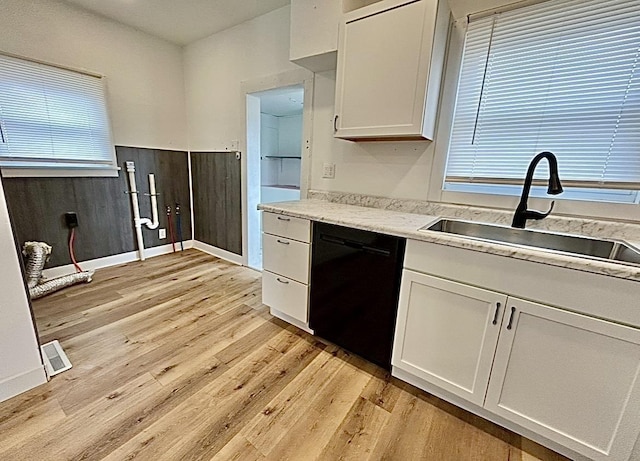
(608,250)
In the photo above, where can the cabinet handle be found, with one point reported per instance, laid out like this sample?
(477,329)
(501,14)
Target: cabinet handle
(282,241)
(495,316)
(286,282)
(510,324)
(280,218)
(335,124)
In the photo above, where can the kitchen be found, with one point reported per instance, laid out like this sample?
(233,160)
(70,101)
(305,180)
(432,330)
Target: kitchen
(204,83)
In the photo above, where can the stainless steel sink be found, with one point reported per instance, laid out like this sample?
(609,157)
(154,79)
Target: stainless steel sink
(608,250)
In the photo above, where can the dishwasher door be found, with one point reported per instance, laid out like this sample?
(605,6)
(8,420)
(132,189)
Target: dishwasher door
(354,289)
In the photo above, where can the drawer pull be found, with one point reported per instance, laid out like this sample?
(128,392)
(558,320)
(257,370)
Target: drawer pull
(495,316)
(286,282)
(282,241)
(513,311)
(280,218)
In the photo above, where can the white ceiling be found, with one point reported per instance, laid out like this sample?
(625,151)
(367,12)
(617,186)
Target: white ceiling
(180,21)
(282,101)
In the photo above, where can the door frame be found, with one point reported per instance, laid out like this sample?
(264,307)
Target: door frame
(251,216)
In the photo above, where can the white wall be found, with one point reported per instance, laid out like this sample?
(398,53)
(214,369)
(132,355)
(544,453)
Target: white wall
(216,66)
(390,169)
(280,136)
(20,365)
(290,135)
(144,74)
(269,135)
(461,8)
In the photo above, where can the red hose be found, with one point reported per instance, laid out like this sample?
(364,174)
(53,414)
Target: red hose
(72,238)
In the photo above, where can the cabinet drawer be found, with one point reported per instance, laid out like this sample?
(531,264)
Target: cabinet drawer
(285,295)
(286,257)
(287,226)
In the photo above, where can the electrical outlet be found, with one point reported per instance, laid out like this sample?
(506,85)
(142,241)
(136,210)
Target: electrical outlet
(329,170)
(162,233)
(71,219)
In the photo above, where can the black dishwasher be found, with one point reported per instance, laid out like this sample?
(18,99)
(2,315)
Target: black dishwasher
(355,284)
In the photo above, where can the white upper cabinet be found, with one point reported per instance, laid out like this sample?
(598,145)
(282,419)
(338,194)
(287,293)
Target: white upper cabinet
(570,378)
(390,64)
(314,33)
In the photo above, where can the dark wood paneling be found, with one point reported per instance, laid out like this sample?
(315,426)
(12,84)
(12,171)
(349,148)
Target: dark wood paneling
(37,206)
(217,202)
(171,169)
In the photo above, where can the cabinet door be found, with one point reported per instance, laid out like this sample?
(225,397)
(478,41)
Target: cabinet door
(384,68)
(568,377)
(447,333)
(314,33)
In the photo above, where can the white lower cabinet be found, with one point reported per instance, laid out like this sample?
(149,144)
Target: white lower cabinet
(447,333)
(285,295)
(286,252)
(568,377)
(286,257)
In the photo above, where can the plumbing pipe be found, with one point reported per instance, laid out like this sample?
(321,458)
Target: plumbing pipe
(152,223)
(138,222)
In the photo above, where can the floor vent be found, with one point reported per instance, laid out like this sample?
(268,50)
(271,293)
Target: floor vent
(55,360)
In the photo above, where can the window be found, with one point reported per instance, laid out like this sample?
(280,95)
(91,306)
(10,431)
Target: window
(53,119)
(560,76)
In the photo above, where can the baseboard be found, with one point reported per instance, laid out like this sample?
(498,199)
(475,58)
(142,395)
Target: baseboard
(114,260)
(15,385)
(131,256)
(218,252)
(291,320)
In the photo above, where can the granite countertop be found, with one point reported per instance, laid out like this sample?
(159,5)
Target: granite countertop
(407,224)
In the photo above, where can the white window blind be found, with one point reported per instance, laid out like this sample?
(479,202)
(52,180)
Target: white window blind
(52,118)
(559,76)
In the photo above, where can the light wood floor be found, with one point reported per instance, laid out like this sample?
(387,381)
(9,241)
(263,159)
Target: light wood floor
(175,358)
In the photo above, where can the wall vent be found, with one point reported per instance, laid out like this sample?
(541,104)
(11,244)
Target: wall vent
(55,360)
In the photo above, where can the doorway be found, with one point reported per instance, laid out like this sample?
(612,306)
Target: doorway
(275,132)
(278,149)
(280,143)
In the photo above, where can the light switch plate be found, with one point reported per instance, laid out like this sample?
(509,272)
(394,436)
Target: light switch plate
(162,233)
(329,170)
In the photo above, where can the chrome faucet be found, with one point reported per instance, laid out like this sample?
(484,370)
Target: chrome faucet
(522,214)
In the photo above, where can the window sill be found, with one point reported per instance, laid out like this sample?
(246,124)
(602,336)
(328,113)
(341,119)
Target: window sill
(621,212)
(59,172)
